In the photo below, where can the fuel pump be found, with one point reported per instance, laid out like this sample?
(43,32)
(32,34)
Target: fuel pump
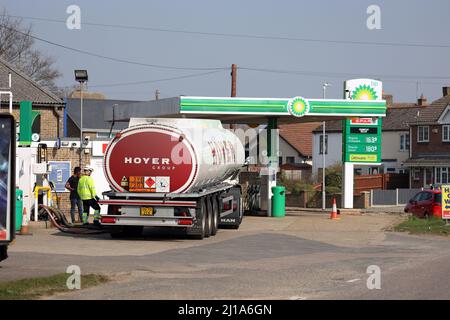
(41,187)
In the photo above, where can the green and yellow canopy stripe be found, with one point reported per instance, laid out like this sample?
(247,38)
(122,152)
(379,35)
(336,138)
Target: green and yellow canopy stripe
(271,106)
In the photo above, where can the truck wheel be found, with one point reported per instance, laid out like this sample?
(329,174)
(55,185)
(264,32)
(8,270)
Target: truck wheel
(209,217)
(215,216)
(198,231)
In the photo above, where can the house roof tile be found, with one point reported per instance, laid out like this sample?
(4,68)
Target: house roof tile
(25,88)
(431,113)
(299,136)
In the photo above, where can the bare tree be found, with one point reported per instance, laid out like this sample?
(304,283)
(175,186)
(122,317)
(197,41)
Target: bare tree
(16,47)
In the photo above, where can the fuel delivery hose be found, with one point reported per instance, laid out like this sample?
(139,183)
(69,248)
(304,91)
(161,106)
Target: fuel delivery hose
(58,219)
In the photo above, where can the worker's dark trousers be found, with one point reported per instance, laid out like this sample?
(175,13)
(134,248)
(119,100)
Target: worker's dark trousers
(76,203)
(90,203)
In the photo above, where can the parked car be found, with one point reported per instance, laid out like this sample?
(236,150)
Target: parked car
(425,204)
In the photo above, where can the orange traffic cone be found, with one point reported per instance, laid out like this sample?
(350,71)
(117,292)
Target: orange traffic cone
(334,214)
(24,228)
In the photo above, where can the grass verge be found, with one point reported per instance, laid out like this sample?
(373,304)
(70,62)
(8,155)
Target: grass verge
(432,225)
(35,288)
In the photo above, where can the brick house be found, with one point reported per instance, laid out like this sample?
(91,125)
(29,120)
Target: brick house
(296,150)
(430,144)
(49,123)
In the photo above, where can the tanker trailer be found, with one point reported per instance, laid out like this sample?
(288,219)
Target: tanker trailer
(173,173)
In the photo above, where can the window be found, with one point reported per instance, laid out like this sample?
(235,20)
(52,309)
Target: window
(417,196)
(446,133)
(416,174)
(390,170)
(425,196)
(442,175)
(290,160)
(423,133)
(404,142)
(321,144)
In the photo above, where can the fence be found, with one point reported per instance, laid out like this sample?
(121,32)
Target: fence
(313,199)
(380,181)
(391,197)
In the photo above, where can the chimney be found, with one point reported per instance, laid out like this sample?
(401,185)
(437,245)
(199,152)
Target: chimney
(389,100)
(422,101)
(445,91)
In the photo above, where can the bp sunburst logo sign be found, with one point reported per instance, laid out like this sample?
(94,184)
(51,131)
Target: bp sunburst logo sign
(364,92)
(298,106)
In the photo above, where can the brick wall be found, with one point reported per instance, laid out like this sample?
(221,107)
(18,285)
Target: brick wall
(72,155)
(48,120)
(435,144)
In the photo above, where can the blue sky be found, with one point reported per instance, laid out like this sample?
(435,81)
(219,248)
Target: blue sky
(402,21)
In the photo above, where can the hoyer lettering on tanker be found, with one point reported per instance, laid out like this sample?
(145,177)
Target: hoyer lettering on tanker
(139,160)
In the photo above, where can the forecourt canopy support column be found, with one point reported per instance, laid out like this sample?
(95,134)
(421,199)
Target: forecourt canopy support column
(270,111)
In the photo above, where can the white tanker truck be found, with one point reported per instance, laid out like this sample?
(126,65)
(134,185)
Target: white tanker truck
(173,173)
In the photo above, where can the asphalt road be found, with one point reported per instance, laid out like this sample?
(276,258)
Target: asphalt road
(304,256)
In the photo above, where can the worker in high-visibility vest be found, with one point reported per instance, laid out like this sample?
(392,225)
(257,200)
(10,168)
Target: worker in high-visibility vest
(87,193)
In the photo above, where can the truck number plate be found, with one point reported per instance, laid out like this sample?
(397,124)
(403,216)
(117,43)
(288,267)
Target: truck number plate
(146,211)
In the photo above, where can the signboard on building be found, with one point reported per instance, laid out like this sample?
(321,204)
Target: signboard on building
(59,173)
(445,189)
(362,136)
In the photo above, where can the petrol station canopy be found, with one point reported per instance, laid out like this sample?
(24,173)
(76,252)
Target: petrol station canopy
(248,110)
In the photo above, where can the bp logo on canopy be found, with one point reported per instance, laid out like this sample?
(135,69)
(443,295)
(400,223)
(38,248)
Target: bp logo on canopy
(298,106)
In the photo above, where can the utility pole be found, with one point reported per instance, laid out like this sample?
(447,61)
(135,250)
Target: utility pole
(233,79)
(233,85)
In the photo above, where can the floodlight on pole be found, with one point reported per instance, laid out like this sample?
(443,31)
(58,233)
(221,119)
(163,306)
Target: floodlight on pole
(81,76)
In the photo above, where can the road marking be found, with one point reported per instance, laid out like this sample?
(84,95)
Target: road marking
(353,280)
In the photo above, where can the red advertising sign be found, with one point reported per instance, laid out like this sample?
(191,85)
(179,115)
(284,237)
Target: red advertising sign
(364,121)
